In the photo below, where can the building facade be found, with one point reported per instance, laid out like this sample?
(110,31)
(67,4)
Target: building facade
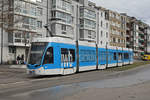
(80,20)
(103,37)
(137,36)
(117,29)
(147,31)
(22,25)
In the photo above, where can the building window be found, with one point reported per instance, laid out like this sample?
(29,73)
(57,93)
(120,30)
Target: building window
(119,41)
(101,23)
(114,40)
(107,25)
(106,34)
(39,0)
(64,17)
(101,42)
(12,49)
(53,14)
(63,27)
(121,33)
(39,11)
(89,24)
(89,34)
(101,14)
(101,33)
(39,24)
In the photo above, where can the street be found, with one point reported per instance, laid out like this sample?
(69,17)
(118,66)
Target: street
(132,84)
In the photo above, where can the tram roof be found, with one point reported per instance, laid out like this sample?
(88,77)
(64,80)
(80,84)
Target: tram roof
(71,41)
(54,39)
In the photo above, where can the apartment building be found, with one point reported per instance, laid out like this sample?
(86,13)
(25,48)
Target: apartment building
(61,18)
(88,18)
(74,19)
(137,36)
(22,25)
(117,29)
(147,31)
(133,36)
(103,37)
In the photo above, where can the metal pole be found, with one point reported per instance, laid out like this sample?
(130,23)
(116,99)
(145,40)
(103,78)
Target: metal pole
(96,56)
(77,41)
(47,17)
(106,56)
(2,31)
(25,40)
(117,55)
(122,57)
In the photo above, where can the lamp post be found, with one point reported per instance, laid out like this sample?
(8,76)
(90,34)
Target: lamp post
(2,20)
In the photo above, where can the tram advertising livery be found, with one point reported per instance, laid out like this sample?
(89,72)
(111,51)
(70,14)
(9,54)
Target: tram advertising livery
(58,56)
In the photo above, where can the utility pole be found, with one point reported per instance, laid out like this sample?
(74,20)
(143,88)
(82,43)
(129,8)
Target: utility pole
(25,43)
(47,16)
(77,40)
(2,23)
(107,55)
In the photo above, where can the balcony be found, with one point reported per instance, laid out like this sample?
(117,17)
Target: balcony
(19,38)
(141,34)
(63,6)
(141,40)
(141,48)
(127,35)
(19,44)
(87,13)
(141,44)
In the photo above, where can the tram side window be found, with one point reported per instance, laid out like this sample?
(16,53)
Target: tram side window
(120,56)
(103,56)
(115,56)
(87,55)
(64,55)
(126,56)
(49,57)
(72,55)
(67,55)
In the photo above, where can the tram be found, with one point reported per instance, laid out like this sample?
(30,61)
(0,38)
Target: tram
(59,56)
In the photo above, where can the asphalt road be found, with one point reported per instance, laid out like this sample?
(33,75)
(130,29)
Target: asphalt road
(16,85)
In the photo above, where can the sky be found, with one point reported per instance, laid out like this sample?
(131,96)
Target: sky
(137,8)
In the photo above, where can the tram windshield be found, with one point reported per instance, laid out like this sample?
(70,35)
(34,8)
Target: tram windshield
(36,53)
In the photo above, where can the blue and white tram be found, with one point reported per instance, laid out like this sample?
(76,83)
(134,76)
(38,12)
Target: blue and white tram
(54,56)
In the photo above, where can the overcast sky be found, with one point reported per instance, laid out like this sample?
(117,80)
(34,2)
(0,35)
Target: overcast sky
(137,8)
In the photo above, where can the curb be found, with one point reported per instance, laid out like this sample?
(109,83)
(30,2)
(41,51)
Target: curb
(18,66)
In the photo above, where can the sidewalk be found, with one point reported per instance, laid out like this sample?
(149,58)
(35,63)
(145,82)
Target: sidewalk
(13,66)
(12,73)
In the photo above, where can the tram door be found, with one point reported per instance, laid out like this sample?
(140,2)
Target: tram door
(67,58)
